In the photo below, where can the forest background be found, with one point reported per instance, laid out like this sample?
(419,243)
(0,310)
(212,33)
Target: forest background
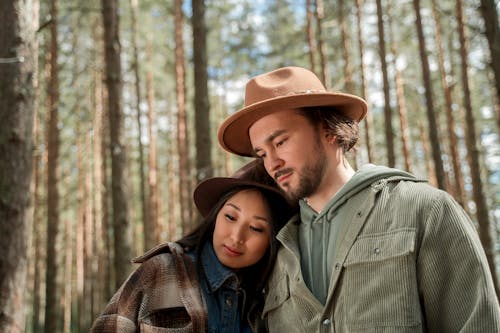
(109,111)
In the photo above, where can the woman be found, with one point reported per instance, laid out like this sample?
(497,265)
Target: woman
(212,279)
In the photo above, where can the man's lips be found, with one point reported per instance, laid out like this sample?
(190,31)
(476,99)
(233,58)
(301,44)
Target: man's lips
(232,251)
(282,175)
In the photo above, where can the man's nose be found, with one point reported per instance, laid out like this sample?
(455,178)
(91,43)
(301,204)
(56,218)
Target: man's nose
(274,162)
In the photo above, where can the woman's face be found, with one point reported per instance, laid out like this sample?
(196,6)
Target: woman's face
(242,229)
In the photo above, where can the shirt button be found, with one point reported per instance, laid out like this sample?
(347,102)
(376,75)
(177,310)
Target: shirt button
(327,322)
(376,250)
(229,301)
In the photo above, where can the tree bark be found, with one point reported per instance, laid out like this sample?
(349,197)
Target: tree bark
(320,14)
(310,36)
(431,117)
(492,32)
(149,227)
(473,154)
(182,130)
(201,102)
(153,150)
(18,66)
(51,313)
(389,135)
(36,256)
(458,186)
(348,81)
(400,97)
(368,122)
(122,243)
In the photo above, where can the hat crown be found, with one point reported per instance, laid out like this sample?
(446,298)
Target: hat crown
(282,82)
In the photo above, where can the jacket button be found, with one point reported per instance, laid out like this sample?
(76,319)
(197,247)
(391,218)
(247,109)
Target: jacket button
(327,322)
(229,301)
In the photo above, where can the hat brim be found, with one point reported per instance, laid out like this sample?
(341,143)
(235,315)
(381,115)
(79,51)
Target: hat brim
(233,132)
(209,191)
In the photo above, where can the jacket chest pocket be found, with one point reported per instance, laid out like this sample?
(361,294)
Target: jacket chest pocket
(379,281)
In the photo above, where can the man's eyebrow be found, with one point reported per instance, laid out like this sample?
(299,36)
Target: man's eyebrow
(271,137)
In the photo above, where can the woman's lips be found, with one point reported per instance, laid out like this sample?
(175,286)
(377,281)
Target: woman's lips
(232,251)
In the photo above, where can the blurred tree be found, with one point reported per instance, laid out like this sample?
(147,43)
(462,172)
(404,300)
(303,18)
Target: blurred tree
(121,223)
(431,117)
(18,66)
(472,152)
(201,101)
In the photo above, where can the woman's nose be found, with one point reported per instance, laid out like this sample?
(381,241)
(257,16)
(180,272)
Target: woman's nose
(237,234)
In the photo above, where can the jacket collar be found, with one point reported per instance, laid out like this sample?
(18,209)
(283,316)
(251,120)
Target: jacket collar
(216,274)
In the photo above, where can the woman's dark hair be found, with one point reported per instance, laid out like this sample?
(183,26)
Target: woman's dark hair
(345,130)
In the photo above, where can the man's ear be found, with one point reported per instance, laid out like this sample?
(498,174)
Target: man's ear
(329,137)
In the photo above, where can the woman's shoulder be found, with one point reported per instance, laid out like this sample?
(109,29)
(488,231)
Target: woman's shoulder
(169,249)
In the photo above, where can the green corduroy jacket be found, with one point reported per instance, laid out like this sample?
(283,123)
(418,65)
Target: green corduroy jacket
(410,260)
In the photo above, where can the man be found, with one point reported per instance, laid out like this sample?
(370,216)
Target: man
(373,250)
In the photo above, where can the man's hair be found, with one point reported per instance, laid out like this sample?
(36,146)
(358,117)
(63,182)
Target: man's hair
(345,130)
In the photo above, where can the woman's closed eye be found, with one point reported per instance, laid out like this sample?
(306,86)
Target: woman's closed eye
(257,229)
(230,217)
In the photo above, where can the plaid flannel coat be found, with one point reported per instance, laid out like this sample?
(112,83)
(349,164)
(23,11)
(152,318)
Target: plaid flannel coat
(163,294)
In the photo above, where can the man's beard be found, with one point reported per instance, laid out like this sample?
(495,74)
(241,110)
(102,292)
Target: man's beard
(310,175)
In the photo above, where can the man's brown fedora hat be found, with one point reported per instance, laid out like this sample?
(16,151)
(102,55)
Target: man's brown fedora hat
(252,175)
(283,88)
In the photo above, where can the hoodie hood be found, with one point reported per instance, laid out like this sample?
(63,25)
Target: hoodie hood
(363,178)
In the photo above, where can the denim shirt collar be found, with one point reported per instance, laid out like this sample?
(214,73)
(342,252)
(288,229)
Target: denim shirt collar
(216,273)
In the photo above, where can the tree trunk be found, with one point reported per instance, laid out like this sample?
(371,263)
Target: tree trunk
(182,130)
(431,117)
(80,237)
(153,151)
(473,154)
(68,275)
(492,31)
(107,226)
(368,122)
(431,175)
(99,196)
(173,218)
(320,14)
(149,228)
(389,135)
(458,186)
(201,102)
(400,97)
(18,66)
(348,81)
(122,244)
(310,36)
(52,178)
(36,257)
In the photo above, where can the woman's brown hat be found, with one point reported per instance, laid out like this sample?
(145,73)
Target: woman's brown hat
(283,88)
(209,191)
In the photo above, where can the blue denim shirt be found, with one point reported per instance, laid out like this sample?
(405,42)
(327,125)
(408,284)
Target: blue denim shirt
(222,295)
